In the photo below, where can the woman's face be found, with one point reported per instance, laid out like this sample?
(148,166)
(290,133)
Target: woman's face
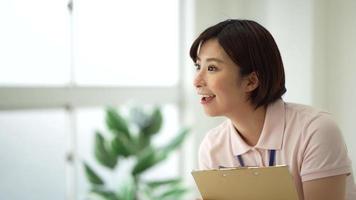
(223,91)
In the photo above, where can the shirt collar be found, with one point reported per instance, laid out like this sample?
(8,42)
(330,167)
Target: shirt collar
(272,131)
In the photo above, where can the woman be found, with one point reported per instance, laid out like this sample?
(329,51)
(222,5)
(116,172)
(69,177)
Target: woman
(240,75)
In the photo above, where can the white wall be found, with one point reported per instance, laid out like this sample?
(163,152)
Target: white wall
(341,68)
(290,23)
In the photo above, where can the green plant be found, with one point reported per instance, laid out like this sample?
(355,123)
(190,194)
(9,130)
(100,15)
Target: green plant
(130,138)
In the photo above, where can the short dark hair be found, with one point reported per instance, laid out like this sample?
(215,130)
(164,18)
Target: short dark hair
(253,49)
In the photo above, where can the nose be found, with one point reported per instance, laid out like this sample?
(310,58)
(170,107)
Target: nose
(199,80)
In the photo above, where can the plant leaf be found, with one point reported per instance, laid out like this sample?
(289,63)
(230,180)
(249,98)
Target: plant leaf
(92,176)
(128,190)
(121,147)
(177,141)
(165,189)
(144,141)
(101,194)
(173,193)
(151,157)
(154,184)
(147,159)
(155,123)
(116,123)
(102,153)
(139,117)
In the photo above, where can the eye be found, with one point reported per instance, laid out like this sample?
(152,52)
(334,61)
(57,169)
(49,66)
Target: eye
(197,66)
(212,68)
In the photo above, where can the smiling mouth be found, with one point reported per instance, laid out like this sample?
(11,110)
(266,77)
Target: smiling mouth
(205,99)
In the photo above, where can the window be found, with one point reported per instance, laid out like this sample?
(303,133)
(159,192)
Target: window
(35,42)
(60,68)
(128,44)
(33,146)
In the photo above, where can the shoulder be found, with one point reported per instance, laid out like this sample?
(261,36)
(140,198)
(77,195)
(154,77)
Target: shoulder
(303,111)
(216,138)
(312,128)
(213,141)
(321,146)
(309,118)
(217,135)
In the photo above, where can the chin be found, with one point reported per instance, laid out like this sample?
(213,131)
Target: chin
(212,113)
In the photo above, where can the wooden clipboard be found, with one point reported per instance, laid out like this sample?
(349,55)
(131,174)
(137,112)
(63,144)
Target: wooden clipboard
(247,183)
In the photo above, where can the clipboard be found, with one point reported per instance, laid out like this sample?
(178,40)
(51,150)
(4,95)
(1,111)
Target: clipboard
(246,183)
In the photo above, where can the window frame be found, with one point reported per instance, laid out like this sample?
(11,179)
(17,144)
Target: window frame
(71,96)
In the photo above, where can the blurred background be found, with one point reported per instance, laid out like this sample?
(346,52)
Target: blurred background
(63,61)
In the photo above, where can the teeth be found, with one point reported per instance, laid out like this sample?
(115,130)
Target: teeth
(204,95)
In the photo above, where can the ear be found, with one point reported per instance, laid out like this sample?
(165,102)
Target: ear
(252,82)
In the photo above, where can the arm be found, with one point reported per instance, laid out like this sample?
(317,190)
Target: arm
(329,188)
(325,162)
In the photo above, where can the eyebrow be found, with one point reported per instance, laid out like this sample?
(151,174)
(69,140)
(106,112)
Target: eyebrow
(212,59)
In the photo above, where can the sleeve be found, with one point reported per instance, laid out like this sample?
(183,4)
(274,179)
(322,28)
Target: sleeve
(325,151)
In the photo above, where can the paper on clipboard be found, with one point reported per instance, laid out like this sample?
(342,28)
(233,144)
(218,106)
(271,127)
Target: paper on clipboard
(247,183)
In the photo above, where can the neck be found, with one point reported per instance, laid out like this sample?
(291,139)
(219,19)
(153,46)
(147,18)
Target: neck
(249,124)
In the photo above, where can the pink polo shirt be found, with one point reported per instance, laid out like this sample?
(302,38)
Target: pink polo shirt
(305,139)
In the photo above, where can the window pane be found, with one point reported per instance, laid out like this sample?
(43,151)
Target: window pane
(128,43)
(90,120)
(32,155)
(34,42)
